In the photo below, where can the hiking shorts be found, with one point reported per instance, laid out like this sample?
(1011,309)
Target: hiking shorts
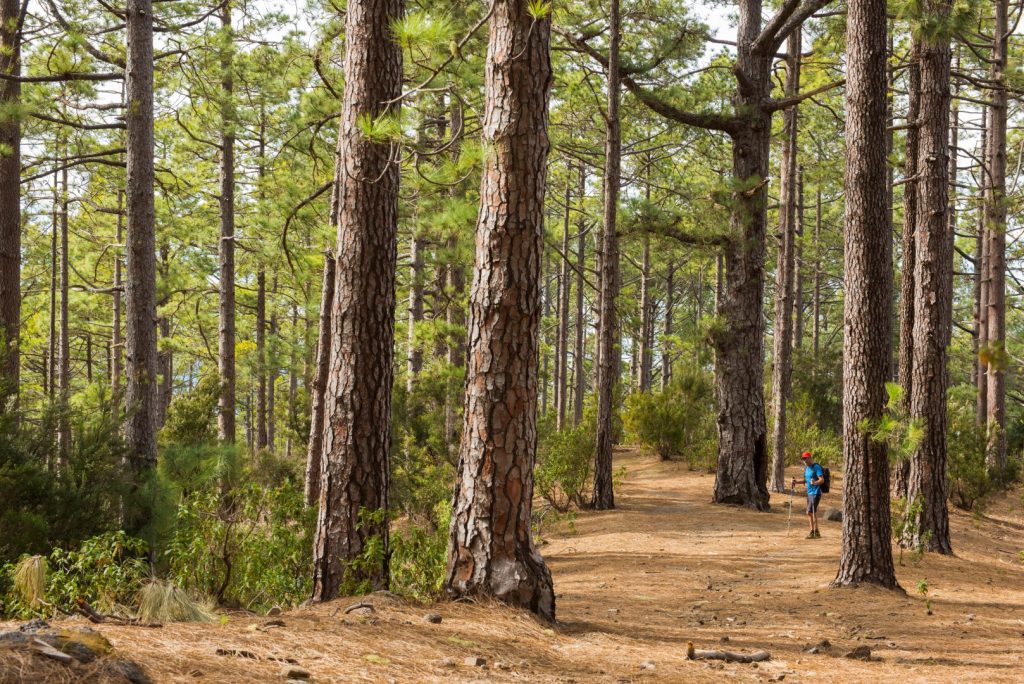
(812,502)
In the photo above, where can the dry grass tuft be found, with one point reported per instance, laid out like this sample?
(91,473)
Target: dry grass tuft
(30,580)
(161,602)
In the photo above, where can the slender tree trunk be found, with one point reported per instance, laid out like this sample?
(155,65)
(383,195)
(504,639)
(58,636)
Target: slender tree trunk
(562,357)
(414,353)
(933,276)
(739,350)
(51,370)
(579,348)
(995,219)
(165,359)
(907,290)
(646,317)
(293,383)
(490,546)
(798,263)
(140,253)
(261,360)
(816,287)
(666,345)
(63,334)
(10,205)
(314,450)
(357,399)
(608,346)
(546,298)
(782,357)
(866,551)
(982,250)
(272,374)
(116,343)
(456,286)
(226,339)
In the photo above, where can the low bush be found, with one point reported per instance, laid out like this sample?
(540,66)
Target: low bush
(677,421)
(564,463)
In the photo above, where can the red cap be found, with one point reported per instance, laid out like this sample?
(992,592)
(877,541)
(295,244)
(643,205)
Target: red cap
(806,454)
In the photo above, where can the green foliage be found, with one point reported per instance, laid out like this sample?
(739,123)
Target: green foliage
(370,559)
(255,555)
(191,417)
(678,421)
(105,571)
(965,464)
(419,556)
(564,461)
(905,514)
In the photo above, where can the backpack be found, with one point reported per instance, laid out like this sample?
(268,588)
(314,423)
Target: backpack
(826,482)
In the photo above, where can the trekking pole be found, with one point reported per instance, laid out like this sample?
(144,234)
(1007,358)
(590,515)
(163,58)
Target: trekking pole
(789,522)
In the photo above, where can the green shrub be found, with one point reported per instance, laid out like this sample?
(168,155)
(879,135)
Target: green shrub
(678,421)
(419,556)
(564,463)
(965,464)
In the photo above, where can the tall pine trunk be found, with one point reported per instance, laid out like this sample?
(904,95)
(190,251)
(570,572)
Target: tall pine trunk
(995,220)
(782,356)
(490,545)
(226,338)
(10,204)
(562,355)
(666,344)
(63,332)
(314,451)
(866,551)
(933,283)
(608,346)
(140,253)
(357,404)
(579,346)
(261,360)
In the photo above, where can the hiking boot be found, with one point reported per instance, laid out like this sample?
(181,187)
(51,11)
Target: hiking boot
(817,534)
(810,535)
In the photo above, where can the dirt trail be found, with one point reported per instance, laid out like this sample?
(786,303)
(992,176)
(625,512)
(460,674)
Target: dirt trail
(635,584)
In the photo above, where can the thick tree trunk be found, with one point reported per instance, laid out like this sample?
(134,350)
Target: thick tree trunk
(140,252)
(226,338)
(357,405)
(261,360)
(10,204)
(608,345)
(579,347)
(933,279)
(866,552)
(739,348)
(562,356)
(905,355)
(490,547)
(666,345)
(995,219)
(782,340)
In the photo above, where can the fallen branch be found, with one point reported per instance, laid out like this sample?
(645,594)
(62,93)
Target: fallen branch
(727,656)
(97,618)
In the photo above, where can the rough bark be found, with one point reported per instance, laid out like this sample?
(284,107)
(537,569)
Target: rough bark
(226,248)
(63,332)
(414,353)
(272,375)
(933,281)
(608,346)
(739,346)
(140,248)
(866,550)
(798,263)
(357,405)
(646,318)
(116,343)
(10,205)
(995,220)
(782,340)
(816,285)
(490,548)
(905,354)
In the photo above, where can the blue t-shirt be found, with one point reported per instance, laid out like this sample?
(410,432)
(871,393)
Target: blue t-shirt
(813,472)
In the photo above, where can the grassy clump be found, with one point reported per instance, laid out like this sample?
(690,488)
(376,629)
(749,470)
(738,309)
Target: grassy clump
(163,602)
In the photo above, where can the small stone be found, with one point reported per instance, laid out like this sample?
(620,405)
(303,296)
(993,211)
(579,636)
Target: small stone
(970,616)
(834,515)
(501,665)
(777,678)
(824,643)
(724,639)
(294,672)
(475,661)
(647,665)
(275,610)
(859,653)
(195,673)
(447,662)
(432,618)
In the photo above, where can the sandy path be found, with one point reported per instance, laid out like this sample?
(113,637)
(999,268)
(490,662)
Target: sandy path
(635,584)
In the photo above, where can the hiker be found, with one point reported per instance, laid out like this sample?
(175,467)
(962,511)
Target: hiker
(814,477)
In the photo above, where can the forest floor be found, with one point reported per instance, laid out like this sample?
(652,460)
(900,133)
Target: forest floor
(634,585)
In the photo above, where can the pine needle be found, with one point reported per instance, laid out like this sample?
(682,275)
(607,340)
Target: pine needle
(161,602)
(30,580)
